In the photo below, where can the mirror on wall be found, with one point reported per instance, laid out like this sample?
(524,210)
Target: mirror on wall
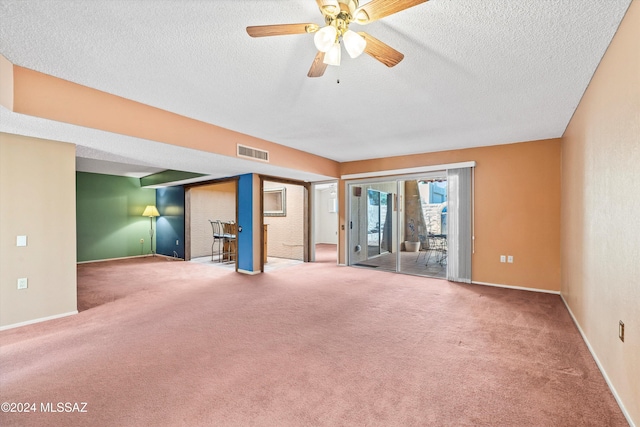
(275,202)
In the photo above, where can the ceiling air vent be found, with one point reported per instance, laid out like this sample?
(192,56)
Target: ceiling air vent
(253,153)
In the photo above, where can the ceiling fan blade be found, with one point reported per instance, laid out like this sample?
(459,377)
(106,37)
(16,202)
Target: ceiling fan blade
(378,9)
(281,29)
(381,51)
(318,67)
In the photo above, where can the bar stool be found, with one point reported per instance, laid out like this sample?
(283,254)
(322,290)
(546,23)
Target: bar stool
(229,230)
(218,233)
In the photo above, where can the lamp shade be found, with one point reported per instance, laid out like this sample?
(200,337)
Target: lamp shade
(150,211)
(332,57)
(354,43)
(325,38)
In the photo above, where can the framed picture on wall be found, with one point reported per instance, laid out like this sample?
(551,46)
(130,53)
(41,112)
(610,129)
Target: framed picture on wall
(275,201)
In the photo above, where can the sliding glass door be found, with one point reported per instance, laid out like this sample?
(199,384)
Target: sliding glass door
(400,225)
(372,237)
(378,223)
(424,210)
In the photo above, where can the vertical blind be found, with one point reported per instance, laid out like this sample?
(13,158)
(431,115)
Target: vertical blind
(459,195)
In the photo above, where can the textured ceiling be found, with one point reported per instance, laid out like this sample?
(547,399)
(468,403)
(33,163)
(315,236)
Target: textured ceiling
(475,73)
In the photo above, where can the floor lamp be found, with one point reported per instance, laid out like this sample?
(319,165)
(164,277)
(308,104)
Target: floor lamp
(151,211)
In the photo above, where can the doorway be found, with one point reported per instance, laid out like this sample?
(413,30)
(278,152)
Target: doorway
(285,222)
(210,217)
(325,224)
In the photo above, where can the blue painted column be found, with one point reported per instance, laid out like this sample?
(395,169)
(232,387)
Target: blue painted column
(245,220)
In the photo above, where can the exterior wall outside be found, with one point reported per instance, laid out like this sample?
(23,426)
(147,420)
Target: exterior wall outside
(210,202)
(413,214)
(37,200)
(109,217)
(517,208)
(285,235)
(600,207)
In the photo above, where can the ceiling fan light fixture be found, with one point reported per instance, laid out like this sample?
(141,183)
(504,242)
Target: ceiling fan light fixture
(361,17)
(331,7)
(332,57)
(325,38)
(353,5)
(354,43)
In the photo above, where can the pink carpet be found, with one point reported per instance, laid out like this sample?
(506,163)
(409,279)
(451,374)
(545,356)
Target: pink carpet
(168,343)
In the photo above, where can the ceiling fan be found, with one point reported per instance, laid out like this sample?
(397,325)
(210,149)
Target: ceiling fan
(338,14)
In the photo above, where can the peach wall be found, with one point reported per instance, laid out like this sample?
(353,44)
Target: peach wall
(600,208)
(38,200)
(517,208)
(45,96)
(6,83)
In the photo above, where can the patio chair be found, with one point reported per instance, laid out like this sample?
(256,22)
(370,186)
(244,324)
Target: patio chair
(424,246)
(437,249)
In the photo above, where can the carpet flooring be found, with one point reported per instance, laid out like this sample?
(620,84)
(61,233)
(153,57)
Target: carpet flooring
(171,343)
(420,264)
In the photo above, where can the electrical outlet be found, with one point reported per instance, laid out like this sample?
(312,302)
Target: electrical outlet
(503,258)
(141,240)
(21,241)
(510,259)
(621,331)
(23,283)
(177,242)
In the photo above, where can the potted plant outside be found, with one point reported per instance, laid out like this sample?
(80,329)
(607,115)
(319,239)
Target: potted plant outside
(412,245)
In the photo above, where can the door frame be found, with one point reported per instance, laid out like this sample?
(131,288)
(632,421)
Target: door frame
(306,186)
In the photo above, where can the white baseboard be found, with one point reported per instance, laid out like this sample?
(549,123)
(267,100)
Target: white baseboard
(41,319)
(130,257)
(113,259)
(602,371)
(171,258)
(520,288)
(251,273)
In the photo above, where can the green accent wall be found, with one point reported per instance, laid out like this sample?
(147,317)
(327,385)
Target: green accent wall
(109,217)
(167,176)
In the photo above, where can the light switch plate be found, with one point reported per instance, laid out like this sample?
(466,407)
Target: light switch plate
(21,241)
(23,283)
